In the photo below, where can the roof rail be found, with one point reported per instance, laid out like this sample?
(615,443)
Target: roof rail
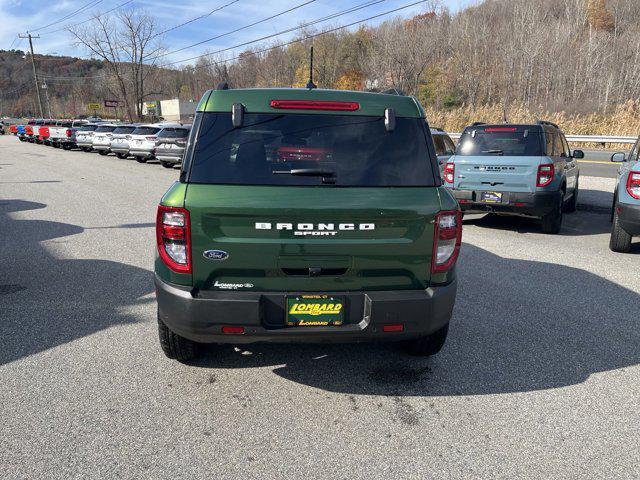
(437,129)
(544,122)
(394,91)
(222,86)
(475,124)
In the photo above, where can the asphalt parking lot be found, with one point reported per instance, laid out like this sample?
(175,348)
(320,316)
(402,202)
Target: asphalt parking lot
(540,377)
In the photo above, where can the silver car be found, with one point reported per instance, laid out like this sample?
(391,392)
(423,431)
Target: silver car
(120,139)
(84,136)
(142,144)
(101,140)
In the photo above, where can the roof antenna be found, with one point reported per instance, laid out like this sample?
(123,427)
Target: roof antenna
(311,85)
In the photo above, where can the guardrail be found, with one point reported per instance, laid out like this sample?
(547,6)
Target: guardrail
(583,138)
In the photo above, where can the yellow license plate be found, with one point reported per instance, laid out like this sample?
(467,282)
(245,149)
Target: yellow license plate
(314,311)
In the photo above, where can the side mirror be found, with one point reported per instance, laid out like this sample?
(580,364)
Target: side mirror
(578,154)
(618,157)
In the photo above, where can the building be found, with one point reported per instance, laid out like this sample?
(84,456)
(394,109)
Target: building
(173,110)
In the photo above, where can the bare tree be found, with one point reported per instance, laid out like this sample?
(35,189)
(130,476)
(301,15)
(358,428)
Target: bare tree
(129,44)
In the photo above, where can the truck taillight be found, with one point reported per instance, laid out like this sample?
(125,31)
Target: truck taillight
(68,133)
(173,238)
(447,237)
(449,172)
(633,184)
(545,174)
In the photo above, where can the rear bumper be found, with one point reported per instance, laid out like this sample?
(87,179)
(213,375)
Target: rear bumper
(169,156)
(101,147)
(119,149)
(535,204)
(629,218)
(201,318)
(140,153)
(84,144)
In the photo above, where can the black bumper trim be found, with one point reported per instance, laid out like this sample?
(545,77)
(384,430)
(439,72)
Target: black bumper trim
(535,204)
(629,218)
(201,318)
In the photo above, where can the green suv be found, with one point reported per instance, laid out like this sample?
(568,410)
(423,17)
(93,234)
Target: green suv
(306,215)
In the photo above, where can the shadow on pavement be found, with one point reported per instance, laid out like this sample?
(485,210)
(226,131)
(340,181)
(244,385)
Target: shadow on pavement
(47,301)
(518,326)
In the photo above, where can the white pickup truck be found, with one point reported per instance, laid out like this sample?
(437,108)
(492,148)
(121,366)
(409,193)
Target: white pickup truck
(64,134)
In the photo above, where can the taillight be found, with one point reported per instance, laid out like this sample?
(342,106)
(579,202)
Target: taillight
(449,172)
(545,174)
(152,139)
(500,129)
(314,105)
(173,237)
(447,237)
(68,133)
(633,184)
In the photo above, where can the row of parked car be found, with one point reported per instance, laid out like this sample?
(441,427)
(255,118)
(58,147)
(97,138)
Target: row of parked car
(163,141)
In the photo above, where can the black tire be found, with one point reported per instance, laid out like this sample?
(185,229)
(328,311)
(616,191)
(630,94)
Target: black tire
(572,205)
(55,145)
(620,240)
(429,345)
(174,346)
(141,160)
(166,164)
(121,156)
(552,221)
(66,146)
(22,139)
(86,149)
(103,152)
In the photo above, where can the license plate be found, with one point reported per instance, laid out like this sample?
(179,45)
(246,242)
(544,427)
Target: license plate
(491,197)
(314,311)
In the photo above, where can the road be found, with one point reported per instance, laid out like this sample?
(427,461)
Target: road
(597,163)
(540,377)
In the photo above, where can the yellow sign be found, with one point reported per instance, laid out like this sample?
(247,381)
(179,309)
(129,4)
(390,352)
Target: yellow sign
(94,106)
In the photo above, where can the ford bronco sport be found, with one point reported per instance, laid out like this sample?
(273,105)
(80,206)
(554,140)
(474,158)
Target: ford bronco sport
(306,215)
(524,170)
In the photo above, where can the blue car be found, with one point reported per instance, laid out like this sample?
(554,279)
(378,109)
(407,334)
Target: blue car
(515,169)
(625,213)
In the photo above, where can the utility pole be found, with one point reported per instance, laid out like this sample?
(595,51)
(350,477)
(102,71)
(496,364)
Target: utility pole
(35,73)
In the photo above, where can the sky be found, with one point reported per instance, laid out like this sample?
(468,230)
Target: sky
(20,16)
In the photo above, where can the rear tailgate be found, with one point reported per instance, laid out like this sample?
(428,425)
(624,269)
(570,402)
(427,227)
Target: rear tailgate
(353,239)
(508,174)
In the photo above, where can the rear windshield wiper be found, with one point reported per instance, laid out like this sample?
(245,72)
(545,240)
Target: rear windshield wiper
(306,172)
(495,152)
(328,176)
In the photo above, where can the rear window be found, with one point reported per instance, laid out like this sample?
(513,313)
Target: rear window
(87,128)
(174,133)
(123,130)
(145,131)
(301,150)
(105,128)
(507,141)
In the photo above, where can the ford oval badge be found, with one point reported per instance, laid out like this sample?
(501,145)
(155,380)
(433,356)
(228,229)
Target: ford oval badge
(215,255)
